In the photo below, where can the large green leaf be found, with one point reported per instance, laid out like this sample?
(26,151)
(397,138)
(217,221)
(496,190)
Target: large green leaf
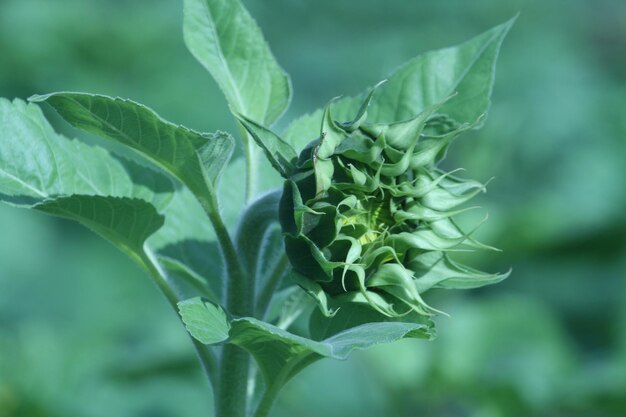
(226,40)
(125,222)
(46,171)
(196,159)
(37,164)
(281,355)
(467,70)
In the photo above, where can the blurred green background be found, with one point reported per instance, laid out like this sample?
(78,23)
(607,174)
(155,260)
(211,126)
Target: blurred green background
(83,333)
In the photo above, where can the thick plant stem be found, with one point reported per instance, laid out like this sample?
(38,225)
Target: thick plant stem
(267,292)
(159,277)
(232,396)
(234,365)
(240,288)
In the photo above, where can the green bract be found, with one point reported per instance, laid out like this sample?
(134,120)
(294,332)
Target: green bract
(368,216)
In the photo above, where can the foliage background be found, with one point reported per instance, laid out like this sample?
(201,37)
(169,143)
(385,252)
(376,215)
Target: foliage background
(83,333)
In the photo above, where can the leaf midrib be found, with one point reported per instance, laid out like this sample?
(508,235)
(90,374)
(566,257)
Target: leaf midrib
(140,148)
(221,57)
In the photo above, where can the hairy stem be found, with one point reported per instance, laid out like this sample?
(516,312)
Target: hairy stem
(268,290)
(235,362)
(160,278)
(232,396)
(240,288)
(252,164)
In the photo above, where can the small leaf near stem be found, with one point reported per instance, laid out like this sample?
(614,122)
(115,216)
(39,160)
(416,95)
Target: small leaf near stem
(280,154)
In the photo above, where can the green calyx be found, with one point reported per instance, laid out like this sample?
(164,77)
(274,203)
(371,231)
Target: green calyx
(368,216)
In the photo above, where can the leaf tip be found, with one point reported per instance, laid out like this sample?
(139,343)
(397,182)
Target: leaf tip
(38,98)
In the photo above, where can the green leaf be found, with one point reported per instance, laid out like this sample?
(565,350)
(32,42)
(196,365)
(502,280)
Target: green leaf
(186,243)
(315,291)
(226,40)
(437,270)
(37,164)
(252,232)
(281,355)
(188,238)
(288,305)
(196,159)
(278,152)
(467,69)
(125,222)
(205,321)
(352,315)
(185,273)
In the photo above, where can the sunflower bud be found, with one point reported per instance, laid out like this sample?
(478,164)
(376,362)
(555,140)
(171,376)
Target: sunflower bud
(368,216)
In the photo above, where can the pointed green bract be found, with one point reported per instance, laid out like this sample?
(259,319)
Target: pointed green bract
(280,154)
(467,69)
(437,270)
(226,40)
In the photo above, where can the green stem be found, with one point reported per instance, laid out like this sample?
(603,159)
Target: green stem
(232,397)
(159,277)
(235,362)
(265,297)
(271,393)
(252,164)
(240,288)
